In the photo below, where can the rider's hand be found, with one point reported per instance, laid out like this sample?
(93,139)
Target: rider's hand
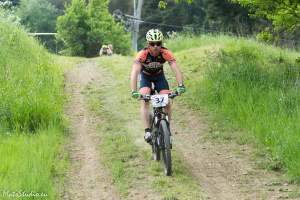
(135,94)
(181,89)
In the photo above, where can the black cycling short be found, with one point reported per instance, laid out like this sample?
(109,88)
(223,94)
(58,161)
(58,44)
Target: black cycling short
(160,82)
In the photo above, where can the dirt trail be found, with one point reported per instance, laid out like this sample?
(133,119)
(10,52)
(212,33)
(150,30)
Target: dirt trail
(87,179)
(222,173)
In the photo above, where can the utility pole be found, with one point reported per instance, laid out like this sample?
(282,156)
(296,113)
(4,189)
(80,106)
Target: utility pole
(137,12)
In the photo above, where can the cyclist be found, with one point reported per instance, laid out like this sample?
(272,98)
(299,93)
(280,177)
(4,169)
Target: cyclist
(149,64)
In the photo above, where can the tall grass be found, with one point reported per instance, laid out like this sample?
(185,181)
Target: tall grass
(30,85)
(253,85)
(31,105)
(30,164)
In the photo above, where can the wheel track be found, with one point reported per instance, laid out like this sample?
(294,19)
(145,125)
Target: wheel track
(87,178)
(222,173)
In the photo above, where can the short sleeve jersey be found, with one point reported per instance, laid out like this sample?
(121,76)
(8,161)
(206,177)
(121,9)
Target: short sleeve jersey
(154,64)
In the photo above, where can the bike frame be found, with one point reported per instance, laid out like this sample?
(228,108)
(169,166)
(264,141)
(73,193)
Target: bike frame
(161,135)
(158,115)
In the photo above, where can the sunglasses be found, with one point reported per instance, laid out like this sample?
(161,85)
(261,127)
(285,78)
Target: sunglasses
(155,43)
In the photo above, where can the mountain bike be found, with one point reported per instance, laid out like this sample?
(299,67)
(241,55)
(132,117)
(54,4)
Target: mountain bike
(160,129)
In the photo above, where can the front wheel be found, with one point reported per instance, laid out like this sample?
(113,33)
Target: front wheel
(155,144)
(166,150)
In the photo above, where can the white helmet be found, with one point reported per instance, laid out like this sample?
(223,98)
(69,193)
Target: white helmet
(154,35)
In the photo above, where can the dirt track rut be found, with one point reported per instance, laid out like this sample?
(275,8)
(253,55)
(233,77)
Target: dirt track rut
(87,179)
(222,173)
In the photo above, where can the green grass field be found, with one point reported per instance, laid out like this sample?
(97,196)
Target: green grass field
(250,86)
(31,118)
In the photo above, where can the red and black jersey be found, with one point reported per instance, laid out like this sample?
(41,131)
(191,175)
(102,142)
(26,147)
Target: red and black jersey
(154,64)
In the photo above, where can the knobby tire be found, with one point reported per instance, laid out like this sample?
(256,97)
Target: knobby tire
(155,147)
(166,151)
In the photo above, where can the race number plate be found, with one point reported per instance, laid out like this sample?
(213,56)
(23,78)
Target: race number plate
(160,100)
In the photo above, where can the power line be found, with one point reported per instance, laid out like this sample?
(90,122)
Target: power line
(37,34)
(154,23)
(192,27)
(209,30)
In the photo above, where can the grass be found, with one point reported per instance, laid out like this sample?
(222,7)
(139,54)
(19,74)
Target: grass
(31,118)
(29,163)
(31,85)
(250,85)
(127,157)
(116,144)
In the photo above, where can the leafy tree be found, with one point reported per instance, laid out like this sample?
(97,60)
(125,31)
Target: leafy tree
(72,28)
(103,29)
(37,15)
(126,6)
(9,16)
(84,28)
(284,14)
(59,4)
(225,16)
(173,18)
(196,17)
(282,17)
(12,2)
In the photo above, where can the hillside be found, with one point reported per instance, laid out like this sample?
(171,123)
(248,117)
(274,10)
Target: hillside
(31,117)
(252,87)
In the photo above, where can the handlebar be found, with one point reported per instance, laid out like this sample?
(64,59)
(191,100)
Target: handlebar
(147,97)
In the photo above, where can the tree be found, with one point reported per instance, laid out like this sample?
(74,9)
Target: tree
(9,16)
(104,30)
(84,28)
(126,6)
(224,16)
(282,17)
(284,14)
(59,4)
(12,2)
(72,28)
(37,15)
(175,16)
(196,17)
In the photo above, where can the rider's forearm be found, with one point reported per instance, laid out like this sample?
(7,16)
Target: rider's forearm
(179,78)
(178,73)
(133,77)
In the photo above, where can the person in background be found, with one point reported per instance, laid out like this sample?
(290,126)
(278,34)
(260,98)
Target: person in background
(106,50)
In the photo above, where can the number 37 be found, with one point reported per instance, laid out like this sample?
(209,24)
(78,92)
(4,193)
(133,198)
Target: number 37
(159,100)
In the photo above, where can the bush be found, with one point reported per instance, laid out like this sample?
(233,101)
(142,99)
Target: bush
(85,28)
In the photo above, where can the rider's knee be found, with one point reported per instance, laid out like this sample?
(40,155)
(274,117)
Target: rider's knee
(145,90)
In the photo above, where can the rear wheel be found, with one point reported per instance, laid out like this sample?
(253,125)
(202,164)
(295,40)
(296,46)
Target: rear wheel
(166,150)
